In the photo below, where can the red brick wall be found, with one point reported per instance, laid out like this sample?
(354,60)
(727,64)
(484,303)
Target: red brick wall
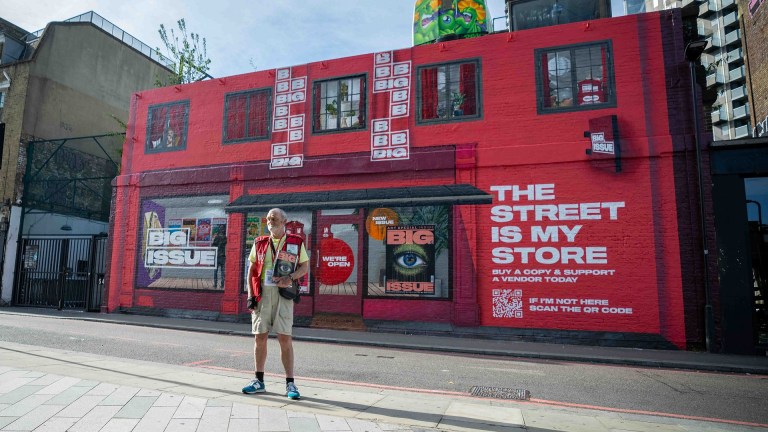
(644,248)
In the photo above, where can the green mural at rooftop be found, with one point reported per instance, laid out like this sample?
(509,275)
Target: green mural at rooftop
(434,20)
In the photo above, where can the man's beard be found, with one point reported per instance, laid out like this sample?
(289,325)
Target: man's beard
(275,231)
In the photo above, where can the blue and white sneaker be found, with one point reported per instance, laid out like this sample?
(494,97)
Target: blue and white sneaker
(291,391)
(255,386)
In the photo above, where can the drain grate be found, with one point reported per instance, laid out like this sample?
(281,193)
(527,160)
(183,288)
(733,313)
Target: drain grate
(500,393)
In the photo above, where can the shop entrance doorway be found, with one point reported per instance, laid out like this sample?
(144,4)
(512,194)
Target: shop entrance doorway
(336,267)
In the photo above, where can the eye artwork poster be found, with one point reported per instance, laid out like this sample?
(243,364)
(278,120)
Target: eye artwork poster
(410,255)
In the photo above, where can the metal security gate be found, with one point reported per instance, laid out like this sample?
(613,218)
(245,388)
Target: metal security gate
(63,273)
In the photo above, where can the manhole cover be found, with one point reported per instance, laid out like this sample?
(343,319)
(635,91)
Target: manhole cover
(500,393)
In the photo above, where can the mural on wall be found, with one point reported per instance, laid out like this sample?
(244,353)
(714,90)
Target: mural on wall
(410,256)
(437,19)
(289,118)
(565,256)
(391,89)
(178,245)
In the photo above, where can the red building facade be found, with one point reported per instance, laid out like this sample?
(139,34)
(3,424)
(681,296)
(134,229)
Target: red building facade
(537,181)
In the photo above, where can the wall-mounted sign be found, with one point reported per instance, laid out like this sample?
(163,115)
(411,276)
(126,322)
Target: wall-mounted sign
(378,220)
(169,248)
(391,89)
(603,134)
(410,259)
(336,261)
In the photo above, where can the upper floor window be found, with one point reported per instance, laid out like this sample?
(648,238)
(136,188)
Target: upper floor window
(449,91)
(2,99)
(339,104)
(167,127)
(247,115)
(575,77)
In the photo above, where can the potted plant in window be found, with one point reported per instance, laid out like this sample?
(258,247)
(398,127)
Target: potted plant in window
(457,100)
(348,118)
(344,92)
(332,111)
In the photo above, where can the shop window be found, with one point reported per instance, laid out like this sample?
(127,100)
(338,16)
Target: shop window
(183,243)
(247,116)
(167,127)
(409,252)
(449,92)
(575,77)
(339,104)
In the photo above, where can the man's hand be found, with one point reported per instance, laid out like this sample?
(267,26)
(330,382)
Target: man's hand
(283,281)
(252,302)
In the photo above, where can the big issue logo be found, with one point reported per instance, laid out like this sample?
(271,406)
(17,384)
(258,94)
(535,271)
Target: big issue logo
(169,248)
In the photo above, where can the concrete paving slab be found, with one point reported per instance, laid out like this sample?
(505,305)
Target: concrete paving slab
(488,415)
(137,407)
(34,418)
(156,419)
(273,420)
(183,425)
(120,396)
(634,425)
(563,421)
(57,424)
(121,425)
(95,419)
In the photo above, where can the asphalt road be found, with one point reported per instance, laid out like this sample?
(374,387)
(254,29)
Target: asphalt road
(710,395)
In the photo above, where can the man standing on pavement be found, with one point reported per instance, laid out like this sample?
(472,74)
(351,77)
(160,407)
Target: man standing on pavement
(269,310)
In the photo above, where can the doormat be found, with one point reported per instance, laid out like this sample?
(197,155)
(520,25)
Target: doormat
(338,321)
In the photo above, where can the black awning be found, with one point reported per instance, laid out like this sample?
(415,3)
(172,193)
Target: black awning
(455,194)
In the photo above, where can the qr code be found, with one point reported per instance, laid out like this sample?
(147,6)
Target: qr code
(507,303)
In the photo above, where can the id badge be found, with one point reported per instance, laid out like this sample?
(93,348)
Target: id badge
(268,278)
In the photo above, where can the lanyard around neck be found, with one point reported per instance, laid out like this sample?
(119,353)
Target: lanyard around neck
(280,243)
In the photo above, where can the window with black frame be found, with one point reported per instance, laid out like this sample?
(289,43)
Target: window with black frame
(339,104)
(167,127)
(575,77)
(449,92)
(409,252)
(247,115)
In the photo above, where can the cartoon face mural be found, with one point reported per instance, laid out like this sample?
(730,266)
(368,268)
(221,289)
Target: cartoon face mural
(438,19)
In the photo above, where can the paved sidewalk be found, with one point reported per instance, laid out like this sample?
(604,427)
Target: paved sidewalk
(44,389)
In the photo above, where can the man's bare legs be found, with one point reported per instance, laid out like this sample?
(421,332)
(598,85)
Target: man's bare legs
(260,351)
(286,353)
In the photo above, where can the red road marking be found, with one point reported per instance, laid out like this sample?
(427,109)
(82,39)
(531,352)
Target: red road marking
(197,363)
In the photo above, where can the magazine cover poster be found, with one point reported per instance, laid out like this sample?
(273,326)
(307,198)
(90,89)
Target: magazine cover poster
(191,224)
(410,255)
(286,260)
(204,230)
